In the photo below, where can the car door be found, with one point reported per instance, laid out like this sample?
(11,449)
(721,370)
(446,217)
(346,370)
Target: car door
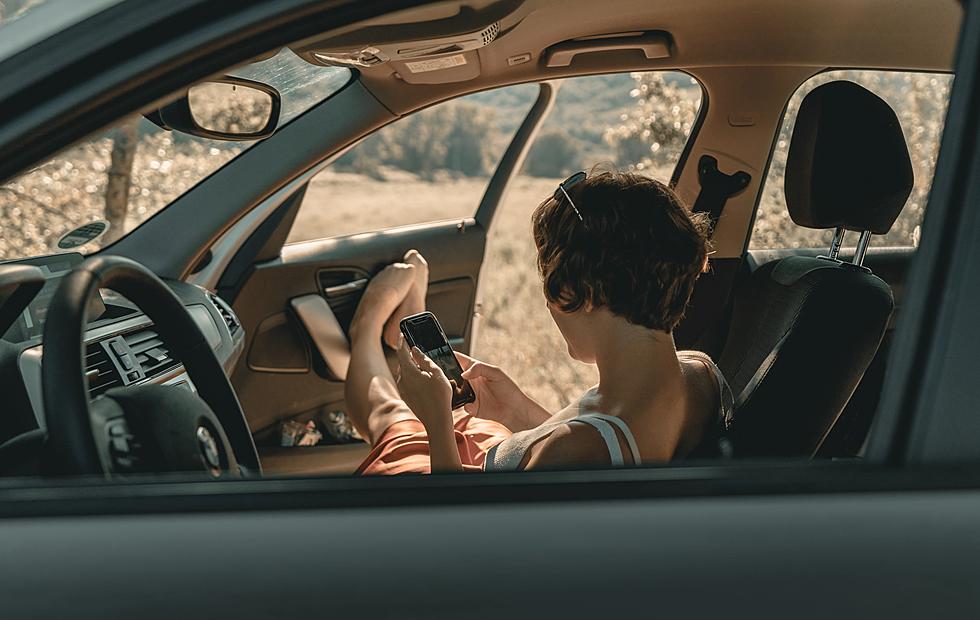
(431,182)
(896,539)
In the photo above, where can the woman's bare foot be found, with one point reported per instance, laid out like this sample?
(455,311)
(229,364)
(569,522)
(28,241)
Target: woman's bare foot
(383,295)
(414,301)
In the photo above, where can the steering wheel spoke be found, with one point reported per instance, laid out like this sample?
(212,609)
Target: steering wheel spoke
(114,441)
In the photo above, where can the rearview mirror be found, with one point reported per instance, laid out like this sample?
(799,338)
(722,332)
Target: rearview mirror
(226,108)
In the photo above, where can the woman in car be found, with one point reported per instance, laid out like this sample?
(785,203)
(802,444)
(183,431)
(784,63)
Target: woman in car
(619,255)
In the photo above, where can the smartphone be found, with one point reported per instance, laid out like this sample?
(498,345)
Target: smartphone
(423,331)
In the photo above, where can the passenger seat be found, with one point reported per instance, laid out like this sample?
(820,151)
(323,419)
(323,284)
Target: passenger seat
(804,330)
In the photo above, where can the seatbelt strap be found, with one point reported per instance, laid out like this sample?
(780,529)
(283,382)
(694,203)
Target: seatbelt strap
(760,372)
(716,188)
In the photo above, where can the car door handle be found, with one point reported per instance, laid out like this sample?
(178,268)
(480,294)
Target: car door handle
(325,331)
(339,290)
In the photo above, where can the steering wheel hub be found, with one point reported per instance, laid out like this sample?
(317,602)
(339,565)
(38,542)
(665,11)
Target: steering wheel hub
(209,449)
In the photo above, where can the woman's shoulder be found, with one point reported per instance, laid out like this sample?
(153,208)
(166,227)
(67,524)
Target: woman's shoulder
(569,444)
(711,380)
(702,363)
(693,355)
(584,403)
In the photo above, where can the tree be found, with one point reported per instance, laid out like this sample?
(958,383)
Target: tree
(655,130)
(553,155)
(125,140)
(467,144)
(454,137)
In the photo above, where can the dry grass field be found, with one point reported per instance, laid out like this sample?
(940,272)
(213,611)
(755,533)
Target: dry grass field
(515,331)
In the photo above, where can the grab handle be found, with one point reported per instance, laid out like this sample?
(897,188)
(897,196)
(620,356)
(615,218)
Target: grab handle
(325,332)
(652,44)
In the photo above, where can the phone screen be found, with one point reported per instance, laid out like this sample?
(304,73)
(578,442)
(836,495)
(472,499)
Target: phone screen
(423,331)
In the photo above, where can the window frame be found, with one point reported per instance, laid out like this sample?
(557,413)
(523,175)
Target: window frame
(931,278)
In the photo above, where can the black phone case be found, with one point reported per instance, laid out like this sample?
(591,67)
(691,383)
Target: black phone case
(466,394)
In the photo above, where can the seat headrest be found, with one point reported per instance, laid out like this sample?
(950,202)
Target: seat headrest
(848,164)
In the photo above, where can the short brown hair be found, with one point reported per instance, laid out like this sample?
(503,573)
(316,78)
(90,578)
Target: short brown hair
(637,251)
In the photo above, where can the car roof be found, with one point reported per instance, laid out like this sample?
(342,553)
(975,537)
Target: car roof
(884,34)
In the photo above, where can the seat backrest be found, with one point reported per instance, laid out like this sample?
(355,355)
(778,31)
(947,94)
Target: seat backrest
(804,330)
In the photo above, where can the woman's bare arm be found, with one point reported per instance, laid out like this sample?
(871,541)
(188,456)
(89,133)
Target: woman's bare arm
(443,453)
(498,398)
(428,393)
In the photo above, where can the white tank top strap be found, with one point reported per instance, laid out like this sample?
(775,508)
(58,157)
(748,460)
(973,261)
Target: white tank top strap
(726,399)
(604,424)
(608,435)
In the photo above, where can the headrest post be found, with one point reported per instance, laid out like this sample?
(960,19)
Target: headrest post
(837,242)
(862,248)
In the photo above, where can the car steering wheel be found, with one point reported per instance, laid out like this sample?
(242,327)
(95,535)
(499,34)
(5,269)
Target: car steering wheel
(143,428)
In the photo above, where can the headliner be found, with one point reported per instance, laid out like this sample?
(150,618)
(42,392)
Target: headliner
(875,34)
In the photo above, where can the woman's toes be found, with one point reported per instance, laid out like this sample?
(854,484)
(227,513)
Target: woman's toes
(414,258)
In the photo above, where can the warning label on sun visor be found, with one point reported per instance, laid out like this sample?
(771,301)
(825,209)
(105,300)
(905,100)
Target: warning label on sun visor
(435,64)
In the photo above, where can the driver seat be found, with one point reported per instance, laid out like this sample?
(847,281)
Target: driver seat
(805,329)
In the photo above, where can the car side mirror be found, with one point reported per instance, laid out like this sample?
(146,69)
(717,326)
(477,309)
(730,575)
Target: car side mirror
(225,108)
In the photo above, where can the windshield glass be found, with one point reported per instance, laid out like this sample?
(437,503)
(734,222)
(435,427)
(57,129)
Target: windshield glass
(116,180)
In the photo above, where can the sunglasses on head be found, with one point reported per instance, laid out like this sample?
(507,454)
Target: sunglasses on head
(566,185)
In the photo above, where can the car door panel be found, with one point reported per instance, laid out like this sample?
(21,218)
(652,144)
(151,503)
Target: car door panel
(860,552)
(281,375)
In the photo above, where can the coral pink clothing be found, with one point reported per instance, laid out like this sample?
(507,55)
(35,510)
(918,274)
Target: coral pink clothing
(404,446)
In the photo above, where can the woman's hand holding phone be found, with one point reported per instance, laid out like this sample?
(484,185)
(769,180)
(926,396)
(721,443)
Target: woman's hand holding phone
(498,398)
(429,394)
(424,387)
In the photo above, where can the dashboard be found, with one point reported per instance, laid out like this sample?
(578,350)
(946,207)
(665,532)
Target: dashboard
(121,346)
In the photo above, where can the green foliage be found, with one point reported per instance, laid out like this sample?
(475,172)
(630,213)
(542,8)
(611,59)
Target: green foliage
(467,149)
(654,131)
(455,137)
(594,119)
(554,154)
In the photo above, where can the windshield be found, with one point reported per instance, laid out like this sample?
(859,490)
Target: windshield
(112,182)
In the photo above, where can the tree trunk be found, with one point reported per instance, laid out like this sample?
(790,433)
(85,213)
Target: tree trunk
(124,144)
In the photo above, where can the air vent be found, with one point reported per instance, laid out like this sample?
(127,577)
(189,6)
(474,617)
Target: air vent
(152,355)
(99,370)
(230,319)
(490,33)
